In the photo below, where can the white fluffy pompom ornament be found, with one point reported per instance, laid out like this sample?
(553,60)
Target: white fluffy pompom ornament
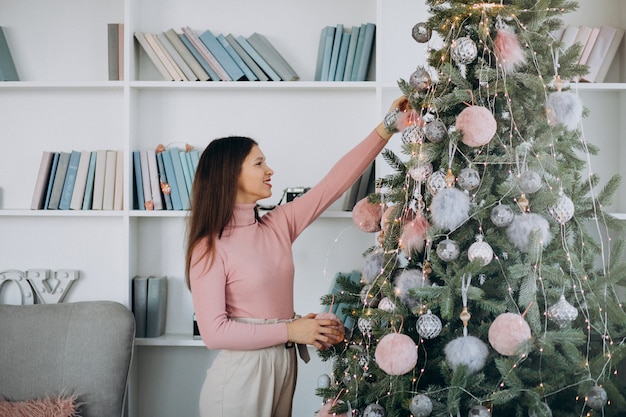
(522,227)
(477,125)
(507,332)
(372,267)
(449,208)
(366,216)
(467,350)
(564,107)
(408,280)
(413,236)
(396,354)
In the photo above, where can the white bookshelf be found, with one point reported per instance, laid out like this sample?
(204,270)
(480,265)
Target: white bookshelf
(65,102)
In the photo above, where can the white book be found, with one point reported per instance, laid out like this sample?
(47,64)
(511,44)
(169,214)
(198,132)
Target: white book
(169,64)
(98,181)
(582,36)
(145,177)
(602,53)
(118,192)
(584,56)
(189,74)
(81,181)
(155,183)
(109,180)
(568,36)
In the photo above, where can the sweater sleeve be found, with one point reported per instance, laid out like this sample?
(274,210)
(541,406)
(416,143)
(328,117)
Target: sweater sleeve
(208,285)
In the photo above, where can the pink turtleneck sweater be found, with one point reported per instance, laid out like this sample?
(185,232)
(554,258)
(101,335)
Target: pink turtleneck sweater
(253,272)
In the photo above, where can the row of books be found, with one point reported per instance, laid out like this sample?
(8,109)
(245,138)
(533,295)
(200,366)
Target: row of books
(163,177)
(344,53)
(188,56)
(599,46)
(149,305)
(79,180)
(7,66)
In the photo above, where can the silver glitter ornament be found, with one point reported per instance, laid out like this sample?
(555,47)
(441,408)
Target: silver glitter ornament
(502,215)
(421,32)
(562,313)
(563,210)
(463,50)
(421,406)
(374,410)
(479,411)
(596,398)
(420,79)
(323,381)
(435,131)
(412,134)
(387,305)
(421,172)
(448,250)
(436,182)
(529,182)
(468,179)
(365,326)
(428,325)
(480,249)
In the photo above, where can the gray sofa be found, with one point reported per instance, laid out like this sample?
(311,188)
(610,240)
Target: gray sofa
(82,349)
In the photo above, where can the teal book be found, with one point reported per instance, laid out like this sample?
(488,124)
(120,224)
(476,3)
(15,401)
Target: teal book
(194,154)
(171,180)
(91,173)
(363,63)
(138,193)
(251,63)
(140,304)
(186,170)
(250,76)
(179,179)
(328,51)
(53,170)
(334,56)
(156,311)
(205,65)
(7,66)
(358,52)
(59,179)
(354,37)
(320,55)
(271,55)
(70,181)
(267,69)
(222,56)
(343,54)
(163,180)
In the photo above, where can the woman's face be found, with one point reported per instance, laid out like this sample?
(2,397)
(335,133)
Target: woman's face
(254,180)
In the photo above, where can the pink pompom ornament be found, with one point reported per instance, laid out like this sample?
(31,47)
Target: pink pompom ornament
(508,49)
(413,238)
(477,125)
(396,354)
(507,332)
(366,216)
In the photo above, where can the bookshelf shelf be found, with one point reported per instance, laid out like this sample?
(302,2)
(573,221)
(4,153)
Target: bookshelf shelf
(66,102)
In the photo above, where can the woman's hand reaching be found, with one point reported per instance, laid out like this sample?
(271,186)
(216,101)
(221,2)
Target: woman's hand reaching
(320,332)
(398,112)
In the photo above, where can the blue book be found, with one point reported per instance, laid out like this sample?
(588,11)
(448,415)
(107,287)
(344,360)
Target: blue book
(258,58)
(91,173)
(53,170)
(163,180)
(7,66)
(186,171)
(363,63)
(251,63)
(320,55)
(138,180)
(194,154)
(170,174)
(335,52)
(225,60)
(328,51)
(354,37)
(358,52)
(205,65)
(235,56)
(343,55)
(70,180)
(59,179)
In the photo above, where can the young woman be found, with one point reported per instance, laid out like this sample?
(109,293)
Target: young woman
(240,270)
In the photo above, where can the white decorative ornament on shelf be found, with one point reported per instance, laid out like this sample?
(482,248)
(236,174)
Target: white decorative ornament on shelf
(39,284)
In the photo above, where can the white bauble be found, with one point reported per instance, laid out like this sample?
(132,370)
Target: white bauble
(502,215)
(481,250)
(563,210)
(323,381)
(468,179)
(529,182)
(374,410)
(421,172)
(435,131)
(421,406)
(428,325)
(436,182)
(448,250)
(463,50)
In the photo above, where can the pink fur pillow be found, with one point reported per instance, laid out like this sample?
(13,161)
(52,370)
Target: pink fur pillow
(45,407)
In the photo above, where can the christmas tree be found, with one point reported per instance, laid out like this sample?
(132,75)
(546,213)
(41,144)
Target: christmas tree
(493,287)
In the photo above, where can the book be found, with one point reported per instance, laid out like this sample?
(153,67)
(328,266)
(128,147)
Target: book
(145,46)
(186,55)
(184,163)
(199,58)
(178,59)
(271,55)
(358,52)
(138,192)
(582,36)
(88,198)
(194,154)
(41,183)
(118,192)
(180,177)
(248,73)
(267,69)
(363,186)
(568,36)
(584,56)
(171,180)
(319,64)
(603,52)
(70,181)
(120,51)
(98,181)
(354,37)
(221,55)
(109,180)
(81,181)
(113,43)
(163,184)
(362,64)
(145,177)
(53,170)
(343,55)
(220,72)
(167,61)
(251,63)
(59,179)
(140,304)
(155,183)
(8,72)
(156,311)
(334,56)
(350,197)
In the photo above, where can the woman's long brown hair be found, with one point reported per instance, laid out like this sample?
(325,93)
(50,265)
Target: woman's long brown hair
(213,194)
